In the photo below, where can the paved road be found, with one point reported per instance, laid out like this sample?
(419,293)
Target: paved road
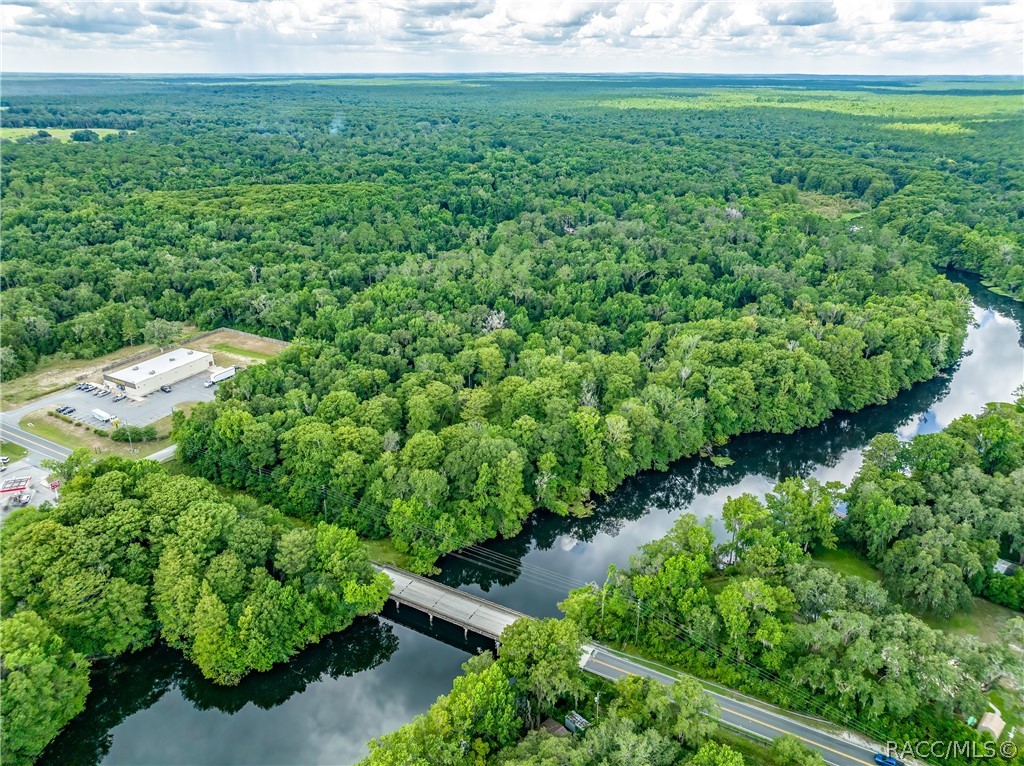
(163,455)
(137,412)
(38,448)
(450,604)
(750,719)
(488,619)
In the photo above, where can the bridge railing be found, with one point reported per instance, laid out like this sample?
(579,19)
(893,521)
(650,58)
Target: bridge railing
(448,589)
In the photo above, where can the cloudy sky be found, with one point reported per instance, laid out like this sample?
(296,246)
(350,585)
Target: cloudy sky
(732,36)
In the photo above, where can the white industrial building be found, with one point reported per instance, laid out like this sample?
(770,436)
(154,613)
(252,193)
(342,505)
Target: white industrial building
(167,369)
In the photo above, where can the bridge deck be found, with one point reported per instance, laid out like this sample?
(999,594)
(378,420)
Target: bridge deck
(473,613)
(467,611)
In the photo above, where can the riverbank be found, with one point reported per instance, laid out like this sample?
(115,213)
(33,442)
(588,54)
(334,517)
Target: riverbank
(530,573)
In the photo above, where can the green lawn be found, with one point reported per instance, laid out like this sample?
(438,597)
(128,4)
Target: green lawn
(754,751)
(984,620)
(1011,705)
(67,435)
(45,427)
(847,562)
(13,451)
(227,348)
(383,552)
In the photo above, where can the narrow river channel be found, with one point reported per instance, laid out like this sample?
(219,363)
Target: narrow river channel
(154,707)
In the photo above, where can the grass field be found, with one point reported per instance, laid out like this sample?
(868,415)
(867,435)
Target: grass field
(847,562)
(936,128)
(71,436)
(229,348)
(383,552)
(984,620)
(59,134)
(845,102)
(13,451)
(832,207)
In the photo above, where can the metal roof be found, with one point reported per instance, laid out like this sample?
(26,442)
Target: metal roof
(158,365)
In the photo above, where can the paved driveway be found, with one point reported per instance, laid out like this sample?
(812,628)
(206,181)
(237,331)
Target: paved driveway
(134,412)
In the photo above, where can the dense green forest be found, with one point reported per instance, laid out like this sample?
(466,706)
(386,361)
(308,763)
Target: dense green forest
(131,555)
(270,205)
(757,613)
(934,514)
(508,294)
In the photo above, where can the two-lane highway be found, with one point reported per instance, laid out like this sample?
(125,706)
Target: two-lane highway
(38,447)
(736,714)
(473,613)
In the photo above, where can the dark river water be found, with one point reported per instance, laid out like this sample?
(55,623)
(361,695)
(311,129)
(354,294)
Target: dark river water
(154,707)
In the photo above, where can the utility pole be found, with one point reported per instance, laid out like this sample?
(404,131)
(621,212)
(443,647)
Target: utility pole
(323,500)
(636,637)
(597,702)
(604,589)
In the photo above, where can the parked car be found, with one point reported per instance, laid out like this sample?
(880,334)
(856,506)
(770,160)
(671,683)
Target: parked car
(4,460)
(165,389)
(103,393)
(68,410)
(62,410)
(119,397)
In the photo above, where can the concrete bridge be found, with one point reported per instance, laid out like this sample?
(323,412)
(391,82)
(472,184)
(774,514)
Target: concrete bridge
(751,717)
(469,612)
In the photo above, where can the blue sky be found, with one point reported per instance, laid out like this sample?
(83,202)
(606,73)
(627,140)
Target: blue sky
(728,36)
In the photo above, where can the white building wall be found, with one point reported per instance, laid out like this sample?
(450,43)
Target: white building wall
(151,383)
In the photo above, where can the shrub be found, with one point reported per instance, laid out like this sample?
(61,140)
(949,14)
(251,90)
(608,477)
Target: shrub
(135,434)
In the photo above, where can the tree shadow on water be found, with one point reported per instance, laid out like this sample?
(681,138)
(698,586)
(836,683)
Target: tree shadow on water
(123,687)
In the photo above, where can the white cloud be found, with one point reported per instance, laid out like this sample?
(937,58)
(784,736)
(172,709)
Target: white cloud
(846,36)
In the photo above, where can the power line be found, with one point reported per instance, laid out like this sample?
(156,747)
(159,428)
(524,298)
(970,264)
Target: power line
(508,566)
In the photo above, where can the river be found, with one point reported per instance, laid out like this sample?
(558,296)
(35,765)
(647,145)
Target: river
(322,707)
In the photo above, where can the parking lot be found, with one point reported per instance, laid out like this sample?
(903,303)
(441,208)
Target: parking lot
(132,412)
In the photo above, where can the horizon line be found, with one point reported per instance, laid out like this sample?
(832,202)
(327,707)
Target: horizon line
(501,72)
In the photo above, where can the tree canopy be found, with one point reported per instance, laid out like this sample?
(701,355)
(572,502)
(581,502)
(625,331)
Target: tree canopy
(132,554)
